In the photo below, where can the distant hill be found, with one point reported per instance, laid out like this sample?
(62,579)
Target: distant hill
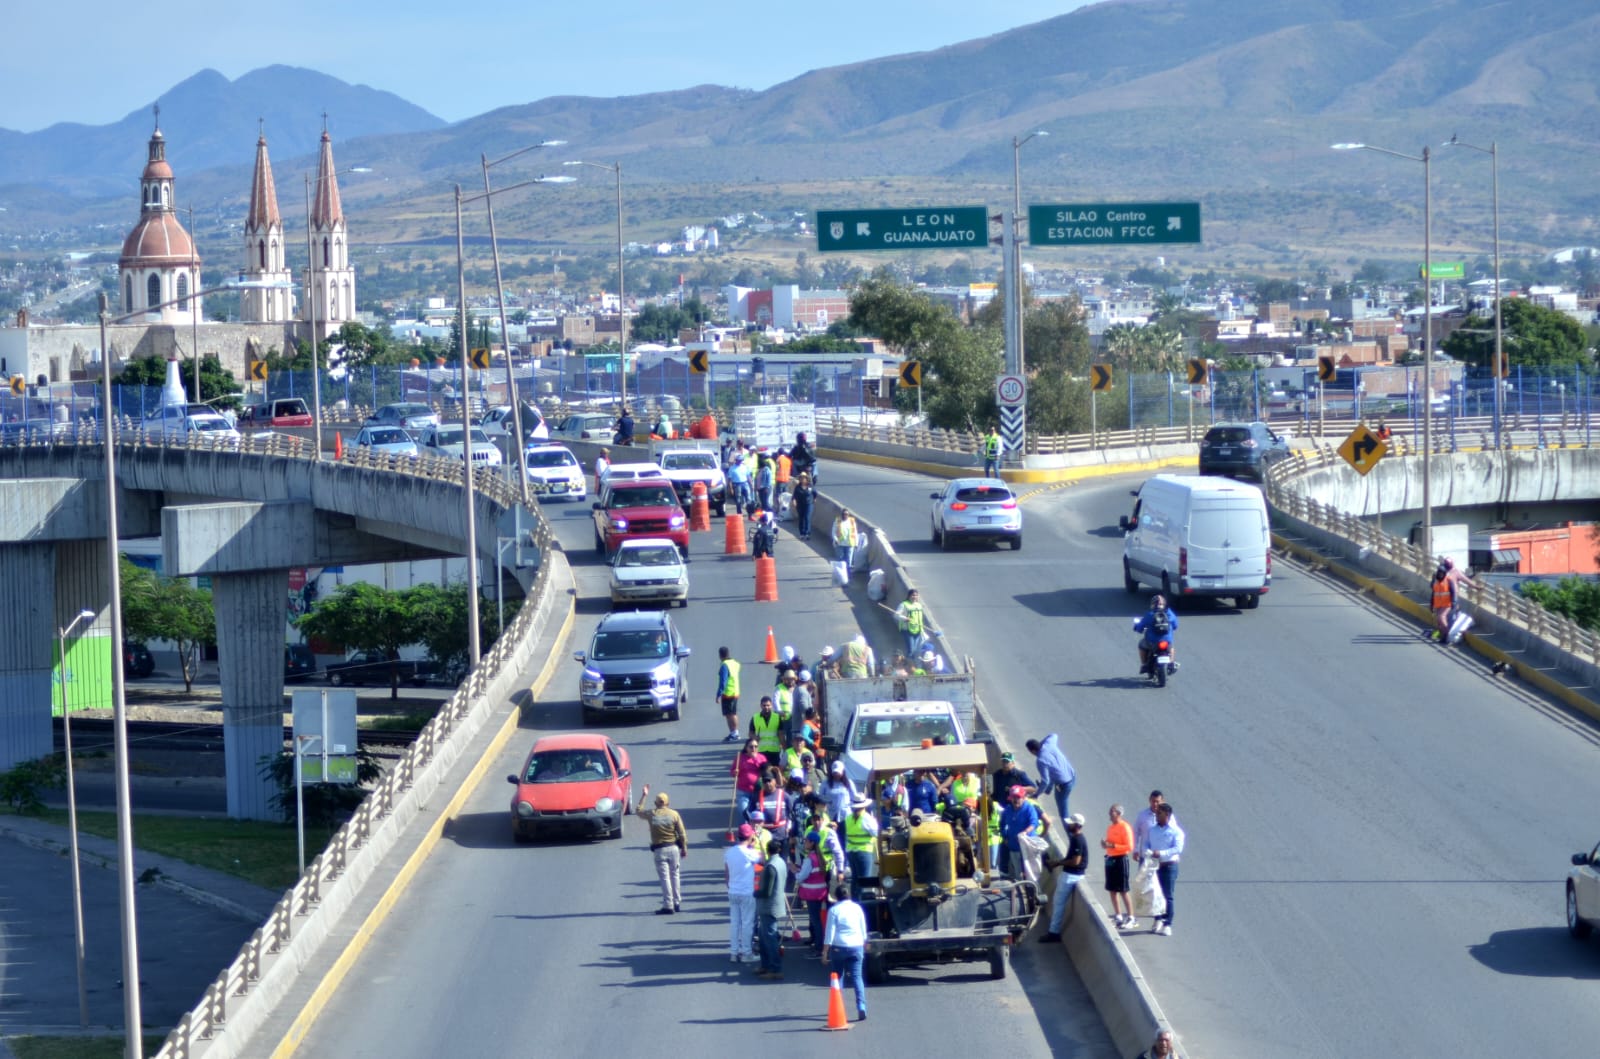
(210,121)
(1232,102)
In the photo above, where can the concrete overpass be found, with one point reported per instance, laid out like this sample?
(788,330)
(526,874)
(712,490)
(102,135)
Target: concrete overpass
(240,515)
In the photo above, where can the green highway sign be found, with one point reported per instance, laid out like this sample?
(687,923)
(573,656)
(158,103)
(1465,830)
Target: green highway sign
(1114,223)
(914,228)
(1445,270)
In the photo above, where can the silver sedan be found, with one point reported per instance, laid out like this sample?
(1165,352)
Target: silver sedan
(976,509)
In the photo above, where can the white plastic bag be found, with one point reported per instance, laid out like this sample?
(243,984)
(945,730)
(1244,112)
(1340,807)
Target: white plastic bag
(1460,622)
(1033,849)
(785,507)
(877,586)
(841,572)
(859,556)
(1148,900)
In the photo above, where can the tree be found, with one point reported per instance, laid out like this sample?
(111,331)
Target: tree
(1572,598)
(1533,336)
(365,346)
(216,384)
(365,617)
(1276,290)
(168,608)
(442,622)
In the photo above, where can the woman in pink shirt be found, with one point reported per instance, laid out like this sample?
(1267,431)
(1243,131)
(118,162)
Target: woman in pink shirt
(746,773)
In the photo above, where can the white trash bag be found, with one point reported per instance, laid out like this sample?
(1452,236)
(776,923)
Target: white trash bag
(841,572)
(1460,622)
(877,586)
(1148,900)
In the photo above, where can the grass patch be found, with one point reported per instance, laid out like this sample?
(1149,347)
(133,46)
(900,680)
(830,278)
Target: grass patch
(76,1047)
(262,852)
(410,721)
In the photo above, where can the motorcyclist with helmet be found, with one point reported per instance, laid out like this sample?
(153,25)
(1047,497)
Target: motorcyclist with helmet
(1157,623)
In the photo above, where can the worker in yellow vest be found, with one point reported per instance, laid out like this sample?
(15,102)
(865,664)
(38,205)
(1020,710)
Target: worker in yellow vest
(860,844)
(858,659)
(728,692)
(766,728)
(783,697)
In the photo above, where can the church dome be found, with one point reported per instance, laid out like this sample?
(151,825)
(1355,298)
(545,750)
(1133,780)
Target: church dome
(158,239)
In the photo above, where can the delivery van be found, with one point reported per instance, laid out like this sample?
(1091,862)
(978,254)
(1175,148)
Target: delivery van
(1200,536)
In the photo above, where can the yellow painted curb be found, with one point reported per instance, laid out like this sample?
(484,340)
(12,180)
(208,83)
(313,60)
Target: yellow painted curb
(1531,675)
(341,967)
(1039,476)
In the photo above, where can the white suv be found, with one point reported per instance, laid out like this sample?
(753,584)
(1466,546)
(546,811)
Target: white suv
(1583,893)
(555,473)
(448,440)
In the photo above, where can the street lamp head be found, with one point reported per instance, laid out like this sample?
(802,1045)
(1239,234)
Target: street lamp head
(85,614)
(554,143)
(1348,146)
(555,180)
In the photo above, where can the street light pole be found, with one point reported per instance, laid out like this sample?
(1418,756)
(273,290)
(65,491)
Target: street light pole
(622,305)
(500,296)
(134,1040)
(1016,210)
(1493,151)
(1426,158)
(72,815)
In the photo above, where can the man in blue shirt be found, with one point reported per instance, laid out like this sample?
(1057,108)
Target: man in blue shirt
(1165,840)
(1056,773)
(1019,817)
(924,793)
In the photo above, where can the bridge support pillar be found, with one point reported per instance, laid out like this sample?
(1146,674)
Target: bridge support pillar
(27,599)
(251,609)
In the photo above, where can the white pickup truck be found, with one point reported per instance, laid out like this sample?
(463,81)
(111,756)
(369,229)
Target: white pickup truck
(866,714)
(684,462)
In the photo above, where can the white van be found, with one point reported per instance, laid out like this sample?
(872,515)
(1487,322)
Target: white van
(1198,537)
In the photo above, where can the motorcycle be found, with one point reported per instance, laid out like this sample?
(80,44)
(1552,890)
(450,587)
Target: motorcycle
(1157,654)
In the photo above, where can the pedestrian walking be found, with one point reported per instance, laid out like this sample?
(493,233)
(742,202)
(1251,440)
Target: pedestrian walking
(1118,845)
(1056,774)
(1165,840)
(669,844)
(739,869)
(911,618)
(772,906)
(844,945)
(804,499)
(845,536)
(1443,601)
(728,693)
(1073,867)
(860,843)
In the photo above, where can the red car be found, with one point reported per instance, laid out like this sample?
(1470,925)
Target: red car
(631,510)
(578,784)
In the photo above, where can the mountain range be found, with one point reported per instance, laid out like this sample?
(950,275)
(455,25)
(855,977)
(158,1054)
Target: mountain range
(1231,102)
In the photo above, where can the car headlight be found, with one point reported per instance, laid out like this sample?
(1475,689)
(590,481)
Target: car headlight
(524,810)
(605,805)
(664,677)
(620,525)
(676,521)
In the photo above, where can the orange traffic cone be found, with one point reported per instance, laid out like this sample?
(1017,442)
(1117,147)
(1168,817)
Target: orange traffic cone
(699,508)
(771,657)
(836,1017)
(767,582)
(338,445)
(734,541)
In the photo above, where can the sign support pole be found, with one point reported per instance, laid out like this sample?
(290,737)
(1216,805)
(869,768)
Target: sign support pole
(1008,250)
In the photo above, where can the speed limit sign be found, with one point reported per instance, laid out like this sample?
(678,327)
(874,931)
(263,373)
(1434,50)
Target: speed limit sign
(1010,390)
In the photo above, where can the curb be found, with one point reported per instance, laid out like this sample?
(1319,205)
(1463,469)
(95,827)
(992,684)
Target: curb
(1399,601)
(1050,476)
(324,990)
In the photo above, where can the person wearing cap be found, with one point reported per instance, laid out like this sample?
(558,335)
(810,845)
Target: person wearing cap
(845,535)
(911,618)
(783,695)
(840,792)
(763,838)
(923,794)
(746,773)
(803,698)
(774,809)
(790,758)
(728,693)
(739,481)
(816,775)
(772,905)
(1019,817)
(860,844)
(739,869)
(669,844)
(1007,776)
(1056,773)
(811,886)
(1073,866)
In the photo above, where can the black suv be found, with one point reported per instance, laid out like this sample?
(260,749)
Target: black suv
(1241,449)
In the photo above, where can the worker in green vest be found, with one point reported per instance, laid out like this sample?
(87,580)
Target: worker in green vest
(911,619)
(767,729)
(860,844)
(992,447)
(783,697)
(728,693)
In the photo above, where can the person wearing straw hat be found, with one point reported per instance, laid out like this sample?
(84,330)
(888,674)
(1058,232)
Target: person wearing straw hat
(860,842)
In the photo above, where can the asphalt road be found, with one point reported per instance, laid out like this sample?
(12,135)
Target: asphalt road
(1378,829)
(554,949)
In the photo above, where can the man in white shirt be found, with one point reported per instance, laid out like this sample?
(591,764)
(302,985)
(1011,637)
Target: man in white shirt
(1165,840)
(844,944)
(739,866)
(1146,820)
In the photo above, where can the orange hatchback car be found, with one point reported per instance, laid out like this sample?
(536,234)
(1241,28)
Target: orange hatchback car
(579,784)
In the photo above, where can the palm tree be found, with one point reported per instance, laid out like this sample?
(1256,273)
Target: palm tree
(1121,344)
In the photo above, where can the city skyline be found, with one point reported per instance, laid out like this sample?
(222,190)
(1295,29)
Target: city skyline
(406,47)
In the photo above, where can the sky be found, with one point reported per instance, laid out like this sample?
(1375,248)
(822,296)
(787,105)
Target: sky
(460,62)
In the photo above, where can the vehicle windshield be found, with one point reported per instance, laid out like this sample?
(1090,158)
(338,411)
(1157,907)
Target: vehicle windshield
(649,496)
(643,643)
(983,495)
(875,733)
(452,436)
(208,423)
(566,766)
(689,461)
(402,410)
(552,458)
(389,436)
(1227,435)
(664,555)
